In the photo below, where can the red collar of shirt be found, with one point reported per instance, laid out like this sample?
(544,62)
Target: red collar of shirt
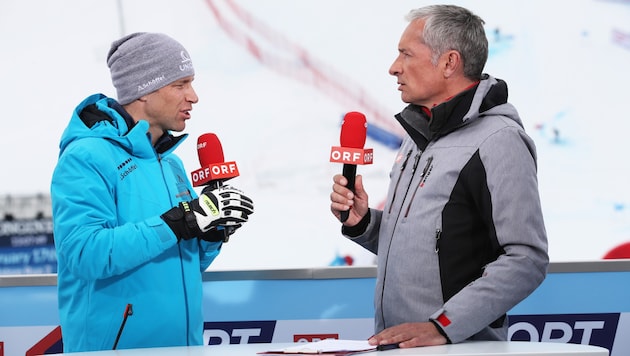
(427,111)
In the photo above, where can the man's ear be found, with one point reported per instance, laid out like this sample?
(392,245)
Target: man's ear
(452,63)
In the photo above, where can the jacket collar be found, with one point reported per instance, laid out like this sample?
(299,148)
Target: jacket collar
(424,125)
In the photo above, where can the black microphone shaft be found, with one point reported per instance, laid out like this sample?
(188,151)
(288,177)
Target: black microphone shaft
(350,172)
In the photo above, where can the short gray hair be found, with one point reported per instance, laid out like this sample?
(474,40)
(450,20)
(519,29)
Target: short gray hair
(450,27)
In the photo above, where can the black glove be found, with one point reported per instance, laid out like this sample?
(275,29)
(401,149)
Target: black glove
(221,233)
(223,206)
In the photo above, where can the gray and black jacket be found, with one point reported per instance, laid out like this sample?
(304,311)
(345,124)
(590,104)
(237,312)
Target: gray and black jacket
(461,239)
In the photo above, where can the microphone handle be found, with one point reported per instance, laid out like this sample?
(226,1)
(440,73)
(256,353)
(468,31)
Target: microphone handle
(349,172)
(214,184)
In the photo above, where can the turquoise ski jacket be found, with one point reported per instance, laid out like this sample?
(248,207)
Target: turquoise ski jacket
(108,190)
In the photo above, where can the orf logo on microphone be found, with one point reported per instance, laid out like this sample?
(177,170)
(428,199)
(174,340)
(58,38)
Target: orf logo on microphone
(349,155)
(215,171)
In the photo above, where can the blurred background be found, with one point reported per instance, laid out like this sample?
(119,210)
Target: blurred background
(274,79)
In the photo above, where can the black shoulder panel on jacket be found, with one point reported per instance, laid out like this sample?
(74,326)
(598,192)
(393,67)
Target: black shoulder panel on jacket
(468,240)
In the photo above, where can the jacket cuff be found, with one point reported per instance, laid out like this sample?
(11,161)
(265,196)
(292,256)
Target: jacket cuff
(441,321)
(358,229)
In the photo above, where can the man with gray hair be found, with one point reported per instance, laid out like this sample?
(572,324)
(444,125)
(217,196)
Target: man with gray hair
(131,236)
(461,239)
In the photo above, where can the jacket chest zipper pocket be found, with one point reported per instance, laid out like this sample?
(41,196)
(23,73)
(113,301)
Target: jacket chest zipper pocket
(423,177)
(402,169)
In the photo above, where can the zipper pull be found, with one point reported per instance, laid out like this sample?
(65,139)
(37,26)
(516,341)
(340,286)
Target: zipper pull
(438,235)
(428,165)
(415,163)
(402,167)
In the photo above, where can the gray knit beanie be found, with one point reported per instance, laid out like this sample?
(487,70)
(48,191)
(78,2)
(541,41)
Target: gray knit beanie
(141,63)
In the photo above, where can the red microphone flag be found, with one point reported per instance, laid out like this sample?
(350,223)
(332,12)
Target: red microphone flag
(213,167)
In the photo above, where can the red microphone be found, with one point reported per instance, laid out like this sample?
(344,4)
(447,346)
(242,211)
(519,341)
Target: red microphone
(351,151)
(214,170)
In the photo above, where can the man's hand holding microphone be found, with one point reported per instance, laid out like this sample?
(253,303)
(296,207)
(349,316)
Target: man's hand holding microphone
(349,201)
(220,209)
(224,207)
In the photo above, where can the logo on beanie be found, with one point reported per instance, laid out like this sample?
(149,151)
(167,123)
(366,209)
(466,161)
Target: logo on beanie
(186,62)
(151,83)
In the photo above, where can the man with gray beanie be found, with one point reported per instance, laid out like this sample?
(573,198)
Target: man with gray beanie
(131,236)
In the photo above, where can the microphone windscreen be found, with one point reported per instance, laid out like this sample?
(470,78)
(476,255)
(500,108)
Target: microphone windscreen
(209,150)
(353,130)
